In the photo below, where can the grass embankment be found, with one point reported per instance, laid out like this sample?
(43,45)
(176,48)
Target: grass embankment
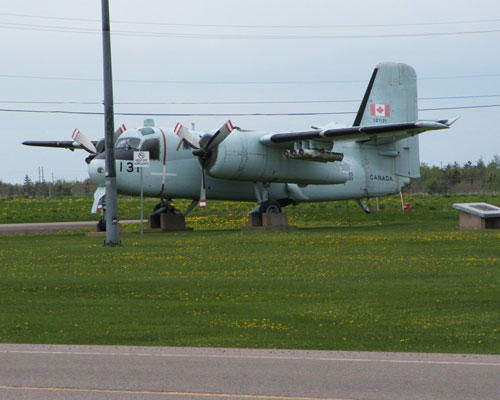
(395,282)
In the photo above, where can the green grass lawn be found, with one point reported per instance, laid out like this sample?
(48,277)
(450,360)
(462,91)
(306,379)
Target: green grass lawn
(389,282)
(225,214)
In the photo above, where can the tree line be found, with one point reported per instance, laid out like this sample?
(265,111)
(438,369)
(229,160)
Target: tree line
(471,177)
(59,188)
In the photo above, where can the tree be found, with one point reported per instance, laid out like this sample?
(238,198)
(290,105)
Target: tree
(28,187)
(491,178)
(468,172)
(62,188)
(452,174)
(494,163)
(42,189)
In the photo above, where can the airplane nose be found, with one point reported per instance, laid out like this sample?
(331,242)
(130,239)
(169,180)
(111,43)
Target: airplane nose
(97,172)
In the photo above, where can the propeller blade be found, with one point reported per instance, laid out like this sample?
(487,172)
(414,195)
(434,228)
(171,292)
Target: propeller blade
(203,192)
(203,149)
(98,195)
(83,141)
(100,146)
(118,132)
(219,136)
(184,134)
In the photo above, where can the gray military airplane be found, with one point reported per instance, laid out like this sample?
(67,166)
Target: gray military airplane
(376,156)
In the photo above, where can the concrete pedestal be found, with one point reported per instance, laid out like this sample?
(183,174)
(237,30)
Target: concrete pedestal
(470,221)
(98,230)
(268,221)
(167,222)
(478,216)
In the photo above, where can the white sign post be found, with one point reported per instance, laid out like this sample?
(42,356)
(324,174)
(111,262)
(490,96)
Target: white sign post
(141,160)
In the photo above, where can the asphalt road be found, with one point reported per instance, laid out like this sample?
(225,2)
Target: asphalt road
(45,227)
(106,372)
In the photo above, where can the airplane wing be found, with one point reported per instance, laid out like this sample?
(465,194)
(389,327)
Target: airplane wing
(381,133)
(65,144)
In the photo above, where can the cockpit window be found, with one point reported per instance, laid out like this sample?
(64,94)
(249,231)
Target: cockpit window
(153,146)
(128,143)
(147,131)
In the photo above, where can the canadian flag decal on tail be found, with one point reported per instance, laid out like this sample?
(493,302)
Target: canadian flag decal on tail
(379,110)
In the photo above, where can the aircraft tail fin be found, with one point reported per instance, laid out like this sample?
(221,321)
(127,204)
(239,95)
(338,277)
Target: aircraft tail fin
(391,96)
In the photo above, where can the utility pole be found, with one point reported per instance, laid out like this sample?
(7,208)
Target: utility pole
(112,238)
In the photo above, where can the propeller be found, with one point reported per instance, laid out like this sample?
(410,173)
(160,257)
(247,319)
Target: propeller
(83,141)
(118,132)
(203,149)
(89,146)
(98,196)
(101,144)
(100,193)
(185,135)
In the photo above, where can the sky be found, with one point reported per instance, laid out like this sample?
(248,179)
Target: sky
(233,57)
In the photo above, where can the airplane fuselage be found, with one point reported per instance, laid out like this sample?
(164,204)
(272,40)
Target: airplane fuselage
(376,156)
(177,174)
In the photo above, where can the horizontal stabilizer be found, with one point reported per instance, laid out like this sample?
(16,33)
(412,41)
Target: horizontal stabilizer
(448,122)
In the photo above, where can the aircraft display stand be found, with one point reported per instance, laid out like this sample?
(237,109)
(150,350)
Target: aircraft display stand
(99,230)
(268,222)
(477,216)
(167,222)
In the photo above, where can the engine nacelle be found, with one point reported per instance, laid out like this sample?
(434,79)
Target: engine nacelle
(242,157)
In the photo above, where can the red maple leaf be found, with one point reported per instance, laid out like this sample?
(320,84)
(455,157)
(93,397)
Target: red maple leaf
(380,109)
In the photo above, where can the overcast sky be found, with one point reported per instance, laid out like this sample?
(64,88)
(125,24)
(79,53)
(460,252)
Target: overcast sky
(317,55)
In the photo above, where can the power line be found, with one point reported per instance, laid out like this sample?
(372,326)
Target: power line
(47,28)
(459,97)
(460,107)
(229,113)
(149,23)
(149,103)
(188,82)
(300,37)
(461,76)
(181,82)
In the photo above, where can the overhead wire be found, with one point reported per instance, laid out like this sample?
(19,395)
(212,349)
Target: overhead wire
(182,81)
(189,82)
(239,114)
(316,26)
(12,25)
(34,27)
(149,103)
(209,35)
